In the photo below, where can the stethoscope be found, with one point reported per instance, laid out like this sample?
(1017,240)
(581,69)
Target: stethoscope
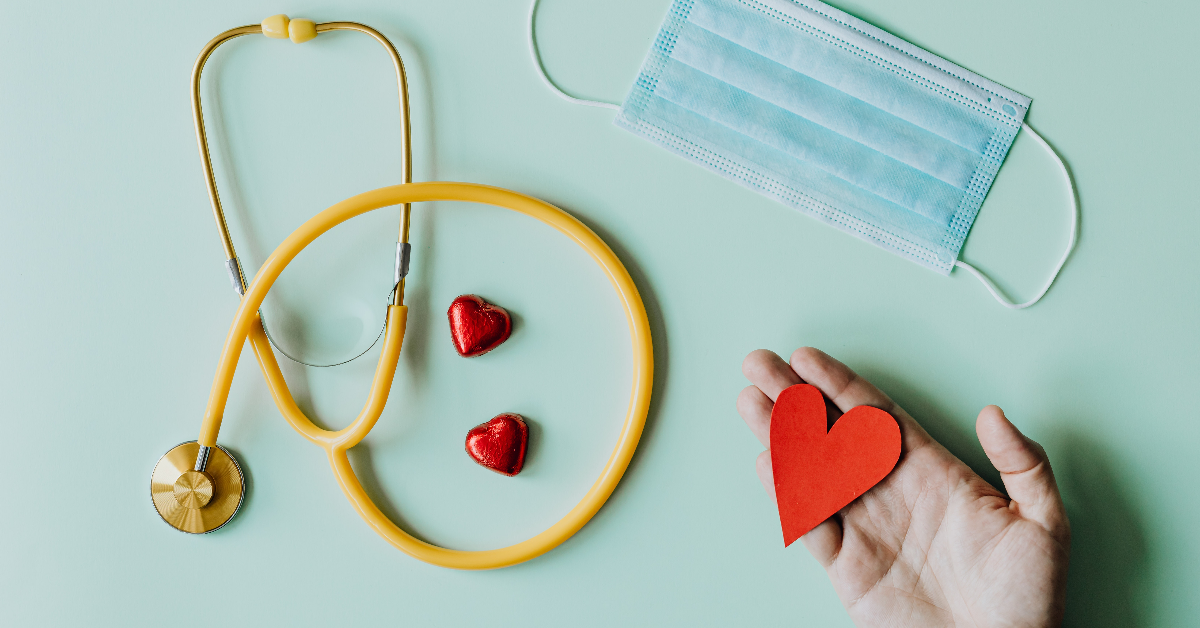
(198,486)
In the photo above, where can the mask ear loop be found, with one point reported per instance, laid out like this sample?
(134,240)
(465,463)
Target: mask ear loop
(984,279)
(987,282)
(537,63)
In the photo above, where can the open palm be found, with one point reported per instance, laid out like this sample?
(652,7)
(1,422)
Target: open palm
(933,544)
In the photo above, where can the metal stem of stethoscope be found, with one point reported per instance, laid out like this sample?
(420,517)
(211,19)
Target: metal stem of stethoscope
(233,266)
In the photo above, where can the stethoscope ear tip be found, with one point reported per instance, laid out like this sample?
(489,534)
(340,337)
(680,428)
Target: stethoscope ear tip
(193,496)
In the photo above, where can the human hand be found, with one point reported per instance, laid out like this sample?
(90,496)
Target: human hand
(933,544)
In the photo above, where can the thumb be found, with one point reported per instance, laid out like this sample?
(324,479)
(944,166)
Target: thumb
(1025,470)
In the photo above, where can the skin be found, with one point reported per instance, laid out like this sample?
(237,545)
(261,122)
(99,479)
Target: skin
(933,544)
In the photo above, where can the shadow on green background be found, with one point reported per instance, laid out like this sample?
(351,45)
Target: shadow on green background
(1109,551)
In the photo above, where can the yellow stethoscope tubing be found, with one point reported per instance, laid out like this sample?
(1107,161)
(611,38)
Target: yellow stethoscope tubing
(245,325)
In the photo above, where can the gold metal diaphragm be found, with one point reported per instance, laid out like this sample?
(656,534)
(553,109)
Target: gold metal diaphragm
(193,501)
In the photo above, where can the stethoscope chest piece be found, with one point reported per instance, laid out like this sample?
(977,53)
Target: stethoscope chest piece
(195,501)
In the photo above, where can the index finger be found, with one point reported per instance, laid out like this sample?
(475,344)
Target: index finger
(848,389)
(769,372)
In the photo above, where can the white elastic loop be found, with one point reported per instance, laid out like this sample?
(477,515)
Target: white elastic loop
(537,63)
(987,283)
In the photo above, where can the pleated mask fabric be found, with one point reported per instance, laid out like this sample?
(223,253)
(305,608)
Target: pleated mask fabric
(829,115)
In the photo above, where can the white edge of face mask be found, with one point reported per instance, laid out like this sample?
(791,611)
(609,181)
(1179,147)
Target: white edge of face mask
(907,58)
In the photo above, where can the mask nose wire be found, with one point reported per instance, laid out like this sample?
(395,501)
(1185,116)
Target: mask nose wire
(537,63)
(987,282)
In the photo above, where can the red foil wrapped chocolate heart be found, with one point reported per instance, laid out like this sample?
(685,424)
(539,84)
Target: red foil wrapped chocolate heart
(499,444)
(477,326)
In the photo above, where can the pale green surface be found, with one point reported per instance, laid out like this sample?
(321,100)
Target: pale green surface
(115,304)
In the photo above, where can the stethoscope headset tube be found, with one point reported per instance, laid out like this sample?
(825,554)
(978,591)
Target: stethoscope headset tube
(232,264)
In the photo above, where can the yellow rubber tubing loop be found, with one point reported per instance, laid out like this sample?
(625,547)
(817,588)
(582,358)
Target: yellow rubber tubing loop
(246,326)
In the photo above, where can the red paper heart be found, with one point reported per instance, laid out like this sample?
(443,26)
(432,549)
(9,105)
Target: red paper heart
(499,444)
(819,472)
(477,326)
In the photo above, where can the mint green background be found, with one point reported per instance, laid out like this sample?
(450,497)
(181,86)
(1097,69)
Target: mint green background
(114,304)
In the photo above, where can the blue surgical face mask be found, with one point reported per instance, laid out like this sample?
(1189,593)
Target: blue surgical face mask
(831,116)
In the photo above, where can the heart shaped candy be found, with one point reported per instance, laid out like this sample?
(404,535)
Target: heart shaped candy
(819,472)
(499,444)
(477,326)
